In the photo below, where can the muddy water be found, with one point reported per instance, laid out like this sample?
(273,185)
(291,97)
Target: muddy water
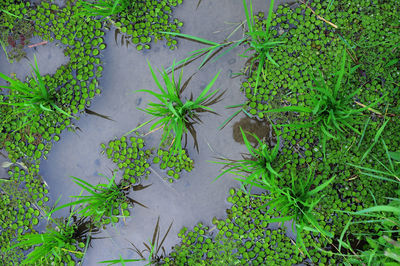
(195,197)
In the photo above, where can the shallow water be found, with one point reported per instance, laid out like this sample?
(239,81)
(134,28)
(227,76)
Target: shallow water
(195,197)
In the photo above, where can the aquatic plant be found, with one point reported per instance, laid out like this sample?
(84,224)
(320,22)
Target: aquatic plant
(244,237)
(175,163)
(296,202)
(260,40)
(30,99)
(173,114)
(332,111)
(140,23)
(152,248)
(258,167)
(131,157)
(103,199)
(103,8)
(57,244)
(390,172)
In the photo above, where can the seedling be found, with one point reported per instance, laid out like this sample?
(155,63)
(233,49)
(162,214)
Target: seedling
(102,198)
(30,99)
(175,115)
(257,167)
(261,42)
(152,248)
(331,110)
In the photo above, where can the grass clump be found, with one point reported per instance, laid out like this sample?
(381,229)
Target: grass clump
(58,244)
(331,110)
(381,244)
(103,8)
(104,200)
(176,116)
(30,99)
(260,40)
(258,167)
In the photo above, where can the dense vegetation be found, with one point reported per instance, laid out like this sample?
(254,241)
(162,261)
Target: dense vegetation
(325,74)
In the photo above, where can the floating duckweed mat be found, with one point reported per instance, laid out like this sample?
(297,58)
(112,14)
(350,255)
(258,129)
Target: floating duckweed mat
(15,32)
(242,238)
(315,37)
(72,86)
(134,160)
(144,21)
(173,164)
(130,156)
(316,34)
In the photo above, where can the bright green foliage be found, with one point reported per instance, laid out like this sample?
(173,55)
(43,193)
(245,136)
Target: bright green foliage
(244,238)
(30,99)
(103,8)
(121,261)
(390,173)
(15,28)
(131,157)
(296,202)
(138,22)
(175,115)
(56,245)
(384,247)
(260,40)
(258,168)
(103,199)
(332,111)
(174,164)
(206,250)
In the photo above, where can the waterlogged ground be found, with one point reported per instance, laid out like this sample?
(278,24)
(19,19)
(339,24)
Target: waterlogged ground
(195,197)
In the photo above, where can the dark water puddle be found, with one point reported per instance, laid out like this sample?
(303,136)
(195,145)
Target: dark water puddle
(262,129)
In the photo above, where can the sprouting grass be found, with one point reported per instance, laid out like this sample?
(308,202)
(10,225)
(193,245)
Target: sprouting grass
(261,42)
(331,109)
(152,248)
(257,168)
(103,8)
(58,243)
(296,202)
(384,246)
(102,198)
(30,99)
(176,115)
(390,171)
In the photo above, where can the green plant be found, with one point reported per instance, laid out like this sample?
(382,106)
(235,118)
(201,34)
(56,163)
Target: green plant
(390,173)
(260,40)
(383,245)
(152,248)
(331,109)
(296,202)
(200,247)
(103,199)
(30,99)
(257,168)
(175,115)
(103,8)
(57,243)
